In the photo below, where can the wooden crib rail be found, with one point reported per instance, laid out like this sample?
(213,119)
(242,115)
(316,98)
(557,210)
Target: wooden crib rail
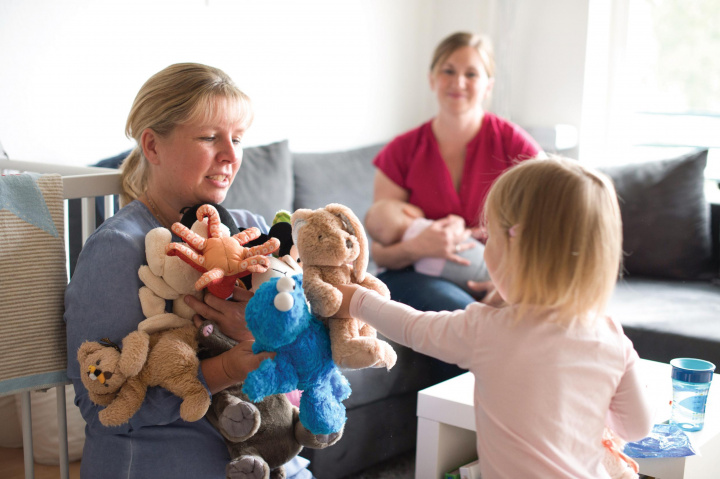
(78,182)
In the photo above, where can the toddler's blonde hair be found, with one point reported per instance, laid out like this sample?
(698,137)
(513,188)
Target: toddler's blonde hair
(567,247)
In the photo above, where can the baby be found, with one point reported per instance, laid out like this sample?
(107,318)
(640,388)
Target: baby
(392,221)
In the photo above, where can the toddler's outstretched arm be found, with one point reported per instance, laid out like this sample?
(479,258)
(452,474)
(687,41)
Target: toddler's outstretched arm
(445,335)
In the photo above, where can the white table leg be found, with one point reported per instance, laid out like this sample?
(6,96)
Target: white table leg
(441,448)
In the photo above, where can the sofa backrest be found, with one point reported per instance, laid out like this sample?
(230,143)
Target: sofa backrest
(669,228)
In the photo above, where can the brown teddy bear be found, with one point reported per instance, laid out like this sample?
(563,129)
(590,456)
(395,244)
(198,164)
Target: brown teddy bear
(118,378)
(333,250)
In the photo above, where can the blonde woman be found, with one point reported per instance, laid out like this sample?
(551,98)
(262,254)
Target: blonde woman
(445,167)
(188,121)
(551,369)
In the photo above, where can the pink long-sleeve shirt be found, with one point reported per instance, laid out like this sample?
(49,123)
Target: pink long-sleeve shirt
(543,392)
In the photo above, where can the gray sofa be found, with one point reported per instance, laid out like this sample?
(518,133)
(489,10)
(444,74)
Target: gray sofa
(667,300)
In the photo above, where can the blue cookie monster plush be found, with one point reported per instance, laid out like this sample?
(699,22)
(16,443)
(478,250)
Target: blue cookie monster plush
(279,318)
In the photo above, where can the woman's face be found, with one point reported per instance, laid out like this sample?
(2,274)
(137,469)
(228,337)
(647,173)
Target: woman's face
(461,82)
(197,162)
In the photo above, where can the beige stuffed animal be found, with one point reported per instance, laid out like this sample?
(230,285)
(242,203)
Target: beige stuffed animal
(333,250)
(168,277)
(165,277)
(119,378)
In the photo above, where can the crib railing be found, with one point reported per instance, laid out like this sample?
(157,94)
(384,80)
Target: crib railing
(86,184)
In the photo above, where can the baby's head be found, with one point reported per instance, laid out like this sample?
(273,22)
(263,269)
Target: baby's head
(387,220)
(561,225)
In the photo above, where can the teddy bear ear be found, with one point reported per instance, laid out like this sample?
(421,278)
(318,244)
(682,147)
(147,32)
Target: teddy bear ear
(86,349)
(353,225)
(298,220)
(299,214)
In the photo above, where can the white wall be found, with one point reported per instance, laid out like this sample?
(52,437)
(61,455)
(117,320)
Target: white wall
(325,74)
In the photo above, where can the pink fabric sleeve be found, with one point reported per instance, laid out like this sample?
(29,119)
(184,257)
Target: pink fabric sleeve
(444,335)
(630,414)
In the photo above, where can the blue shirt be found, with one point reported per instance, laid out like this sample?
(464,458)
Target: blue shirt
(102,301)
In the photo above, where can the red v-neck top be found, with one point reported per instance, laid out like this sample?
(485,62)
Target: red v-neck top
(413,161)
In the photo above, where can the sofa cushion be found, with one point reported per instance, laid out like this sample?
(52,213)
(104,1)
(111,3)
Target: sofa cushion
(337,177)
(264,183)
(666,319)
(666,218)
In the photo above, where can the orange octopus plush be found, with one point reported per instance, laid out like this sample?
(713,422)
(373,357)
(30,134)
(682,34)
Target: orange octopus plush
(221,259)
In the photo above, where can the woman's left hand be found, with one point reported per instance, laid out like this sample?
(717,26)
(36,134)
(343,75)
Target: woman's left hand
(228,314)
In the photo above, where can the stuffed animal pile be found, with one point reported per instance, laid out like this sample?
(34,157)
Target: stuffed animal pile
(260,437)
(281,322)
(333,250)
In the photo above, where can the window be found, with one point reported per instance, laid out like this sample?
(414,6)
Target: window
(653,81)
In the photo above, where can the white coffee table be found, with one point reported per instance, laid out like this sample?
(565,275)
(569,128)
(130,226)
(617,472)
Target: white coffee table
(446,428)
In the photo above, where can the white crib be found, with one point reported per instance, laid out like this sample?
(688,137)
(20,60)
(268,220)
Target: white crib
(34,270)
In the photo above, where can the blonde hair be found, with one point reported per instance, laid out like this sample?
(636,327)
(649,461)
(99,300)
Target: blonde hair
(566,252)
(459,40)
(180,93)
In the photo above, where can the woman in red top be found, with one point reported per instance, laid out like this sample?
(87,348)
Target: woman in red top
(446,167)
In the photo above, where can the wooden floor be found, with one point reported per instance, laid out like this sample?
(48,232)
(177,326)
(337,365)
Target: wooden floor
(12,466)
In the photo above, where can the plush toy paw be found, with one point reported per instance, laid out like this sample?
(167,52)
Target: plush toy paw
(248,467)
(239,420)
(358,352)
(316,441)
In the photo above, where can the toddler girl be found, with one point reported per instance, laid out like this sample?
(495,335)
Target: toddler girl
(551,370)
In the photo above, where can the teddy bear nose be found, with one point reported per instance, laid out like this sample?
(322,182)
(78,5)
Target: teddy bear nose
(348,243)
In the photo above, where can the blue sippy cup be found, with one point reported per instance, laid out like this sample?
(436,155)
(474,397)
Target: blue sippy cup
(691,382)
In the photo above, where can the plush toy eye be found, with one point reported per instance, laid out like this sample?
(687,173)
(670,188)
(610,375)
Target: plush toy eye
(285,284)
(283,302)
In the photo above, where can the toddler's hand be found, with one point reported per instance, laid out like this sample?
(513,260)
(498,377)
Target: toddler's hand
(347,290)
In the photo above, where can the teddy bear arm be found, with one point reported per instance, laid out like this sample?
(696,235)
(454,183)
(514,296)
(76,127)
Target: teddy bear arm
(324,298)
(126,404)
(151,304)
(155,242)
(182,309)
(371,282)
(102,399)
(136,346)
(156,284)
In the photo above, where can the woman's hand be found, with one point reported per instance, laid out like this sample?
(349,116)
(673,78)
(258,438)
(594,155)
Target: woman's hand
(444,238)
(240,361)
(492,297)
(228,314)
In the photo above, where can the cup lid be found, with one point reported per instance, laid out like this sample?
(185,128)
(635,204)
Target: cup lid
(691,370)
